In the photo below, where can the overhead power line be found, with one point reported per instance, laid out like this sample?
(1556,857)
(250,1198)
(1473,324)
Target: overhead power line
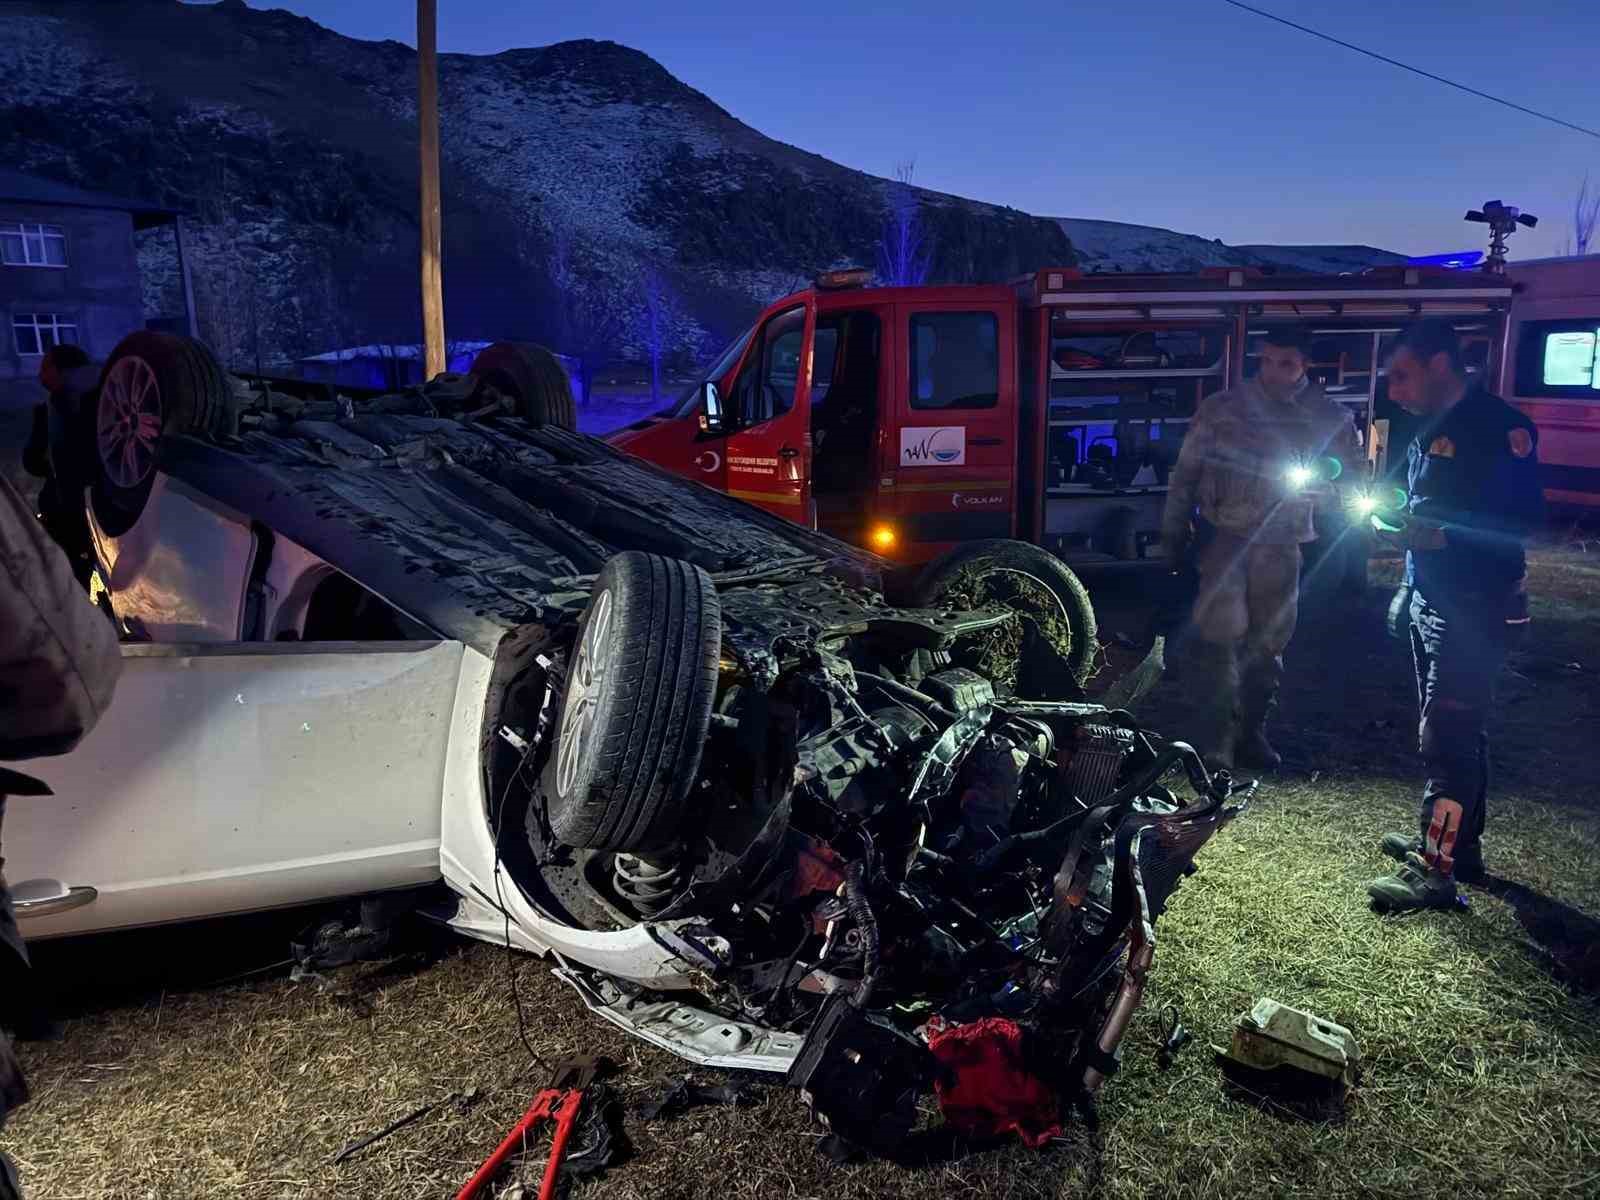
(1394,62)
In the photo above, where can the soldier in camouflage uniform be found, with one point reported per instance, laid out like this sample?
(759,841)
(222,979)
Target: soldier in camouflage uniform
(58,666)
(1241,501)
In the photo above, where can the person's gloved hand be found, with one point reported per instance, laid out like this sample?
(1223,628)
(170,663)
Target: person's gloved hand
(1398,619)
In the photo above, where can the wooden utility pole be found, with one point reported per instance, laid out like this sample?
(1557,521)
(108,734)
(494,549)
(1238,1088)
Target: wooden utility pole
(428,128)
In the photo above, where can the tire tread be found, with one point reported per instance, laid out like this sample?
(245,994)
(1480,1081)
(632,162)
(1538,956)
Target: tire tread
(666,626)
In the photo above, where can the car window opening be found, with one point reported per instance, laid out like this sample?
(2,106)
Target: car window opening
(341,610)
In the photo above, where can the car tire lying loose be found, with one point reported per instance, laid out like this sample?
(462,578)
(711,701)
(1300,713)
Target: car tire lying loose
(987,573)
(639,689)
(531,376)
(153,384)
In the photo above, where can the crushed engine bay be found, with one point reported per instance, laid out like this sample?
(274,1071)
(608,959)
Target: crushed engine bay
(883,845)
(764,814)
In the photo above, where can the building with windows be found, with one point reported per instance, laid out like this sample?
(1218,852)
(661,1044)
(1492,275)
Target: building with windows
(69,273)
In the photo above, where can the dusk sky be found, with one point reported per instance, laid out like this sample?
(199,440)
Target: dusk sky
(1188,114)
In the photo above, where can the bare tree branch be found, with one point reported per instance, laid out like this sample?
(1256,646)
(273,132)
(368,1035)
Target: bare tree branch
(1585,215)
(905,250)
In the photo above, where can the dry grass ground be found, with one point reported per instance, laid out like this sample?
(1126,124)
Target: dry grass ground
(1479,1029)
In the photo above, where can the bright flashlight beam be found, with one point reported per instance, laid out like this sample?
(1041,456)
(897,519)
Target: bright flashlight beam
(1366,505)
(1299,476)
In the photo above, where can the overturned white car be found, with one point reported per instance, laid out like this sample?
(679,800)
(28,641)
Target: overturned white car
(764,817)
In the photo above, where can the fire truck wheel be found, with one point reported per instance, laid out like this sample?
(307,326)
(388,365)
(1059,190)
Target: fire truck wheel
(154,384)
(533,377)
(996,568)
(641,679)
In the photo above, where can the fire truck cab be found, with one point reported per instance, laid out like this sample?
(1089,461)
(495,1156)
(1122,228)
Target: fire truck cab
(1052,409)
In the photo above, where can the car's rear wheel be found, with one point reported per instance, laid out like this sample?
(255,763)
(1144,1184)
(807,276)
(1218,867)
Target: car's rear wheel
(153,384)
(1038,586)
(640,684)
(533,378)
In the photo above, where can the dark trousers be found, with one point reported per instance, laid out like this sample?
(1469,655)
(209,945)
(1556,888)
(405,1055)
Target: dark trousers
(62,513)
(1458,647)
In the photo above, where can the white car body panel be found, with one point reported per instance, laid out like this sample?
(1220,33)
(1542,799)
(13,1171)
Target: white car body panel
(234,777)
(228,778)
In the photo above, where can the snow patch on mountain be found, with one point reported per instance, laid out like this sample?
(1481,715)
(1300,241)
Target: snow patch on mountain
(1110,246)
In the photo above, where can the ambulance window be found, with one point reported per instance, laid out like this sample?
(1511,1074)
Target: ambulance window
(955,360)
(1559,358)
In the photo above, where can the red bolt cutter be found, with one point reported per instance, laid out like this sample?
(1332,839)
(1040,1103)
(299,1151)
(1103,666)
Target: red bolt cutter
(560,1103)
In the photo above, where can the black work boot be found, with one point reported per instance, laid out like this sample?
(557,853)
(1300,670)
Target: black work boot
(1217,671)
(1253,749)
(1258,700)
(1468,868)
(1415,885)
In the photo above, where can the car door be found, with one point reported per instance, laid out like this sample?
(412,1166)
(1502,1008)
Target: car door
(769,448)
(850,372)
(229,776)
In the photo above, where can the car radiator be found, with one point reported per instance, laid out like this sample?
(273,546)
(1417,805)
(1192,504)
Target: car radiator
(1094,761)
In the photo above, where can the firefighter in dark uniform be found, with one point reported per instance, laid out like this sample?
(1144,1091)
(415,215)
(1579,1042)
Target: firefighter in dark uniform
(1473,495)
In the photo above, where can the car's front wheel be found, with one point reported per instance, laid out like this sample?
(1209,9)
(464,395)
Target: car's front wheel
(640,683)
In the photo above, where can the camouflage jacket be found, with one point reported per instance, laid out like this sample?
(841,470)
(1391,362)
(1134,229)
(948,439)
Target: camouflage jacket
(59,659)
(1239,448)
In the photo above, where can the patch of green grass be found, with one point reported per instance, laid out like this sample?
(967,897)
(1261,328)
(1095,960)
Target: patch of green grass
(1482,1056)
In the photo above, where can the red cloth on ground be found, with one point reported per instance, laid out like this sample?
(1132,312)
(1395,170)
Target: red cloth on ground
(992,1091)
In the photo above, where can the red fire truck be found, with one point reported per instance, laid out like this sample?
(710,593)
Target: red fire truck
(1052,410)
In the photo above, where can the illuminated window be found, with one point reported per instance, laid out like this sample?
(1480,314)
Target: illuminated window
(25,245)
(1559,358)
(1569,359)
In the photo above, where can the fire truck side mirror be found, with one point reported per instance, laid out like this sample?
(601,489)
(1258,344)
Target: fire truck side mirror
(710,408)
